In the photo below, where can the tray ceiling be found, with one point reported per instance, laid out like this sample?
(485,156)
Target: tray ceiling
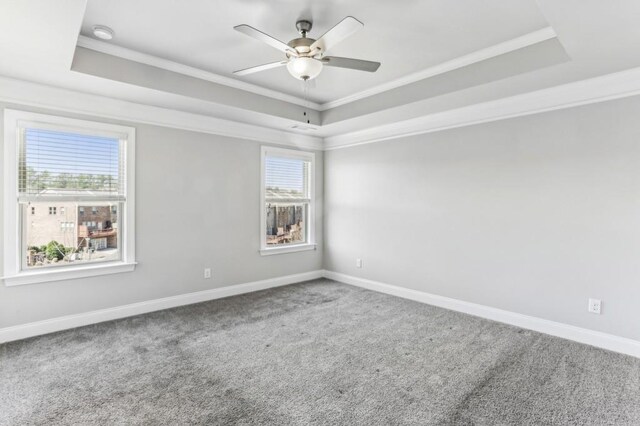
(407,36)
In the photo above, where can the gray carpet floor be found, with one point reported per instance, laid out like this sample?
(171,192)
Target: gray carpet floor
(313,353)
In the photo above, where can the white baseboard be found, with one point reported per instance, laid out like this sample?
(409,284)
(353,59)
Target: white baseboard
(71,321)
(570,332)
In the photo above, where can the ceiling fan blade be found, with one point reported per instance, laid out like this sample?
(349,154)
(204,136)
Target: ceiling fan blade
(259,68)
(354,64)
(266,38)
(339,32)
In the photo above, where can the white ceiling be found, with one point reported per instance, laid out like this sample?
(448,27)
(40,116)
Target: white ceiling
(39,43)
(406,36)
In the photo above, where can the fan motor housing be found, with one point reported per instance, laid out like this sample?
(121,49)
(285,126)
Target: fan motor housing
(301,45)
(303,26)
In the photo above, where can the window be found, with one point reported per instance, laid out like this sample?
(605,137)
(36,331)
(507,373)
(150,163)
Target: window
(287,201)
(77,165)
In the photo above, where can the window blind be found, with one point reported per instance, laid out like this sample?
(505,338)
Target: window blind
(69,166)
(286,179)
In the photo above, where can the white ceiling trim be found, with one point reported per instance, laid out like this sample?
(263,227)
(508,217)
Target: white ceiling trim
(598,89)
(143,58)
(21,92)
(462,61)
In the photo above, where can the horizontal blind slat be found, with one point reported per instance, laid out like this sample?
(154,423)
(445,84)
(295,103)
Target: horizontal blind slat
(64,165)
(286,178)
(61,198)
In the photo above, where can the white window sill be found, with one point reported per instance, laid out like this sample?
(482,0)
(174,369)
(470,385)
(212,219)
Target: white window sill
(287,249)
(67,273)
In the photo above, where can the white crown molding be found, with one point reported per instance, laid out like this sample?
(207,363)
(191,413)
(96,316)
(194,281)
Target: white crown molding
(462,61)
(143,58)
(57,99)
(37,328)
(553,328)
(598,89)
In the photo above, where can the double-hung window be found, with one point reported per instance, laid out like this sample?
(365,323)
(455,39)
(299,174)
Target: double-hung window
(287,201)
(76,166)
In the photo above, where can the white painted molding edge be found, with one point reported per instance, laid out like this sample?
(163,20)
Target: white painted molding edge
(598,89)
(517,43)
(521,42)
(581,335)
(155,61)
(37,328)
(38,95)
(565,331)
(593,90)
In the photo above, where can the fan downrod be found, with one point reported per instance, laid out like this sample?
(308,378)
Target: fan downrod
(303,27)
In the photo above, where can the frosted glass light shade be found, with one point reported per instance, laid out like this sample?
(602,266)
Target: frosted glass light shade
(304,68)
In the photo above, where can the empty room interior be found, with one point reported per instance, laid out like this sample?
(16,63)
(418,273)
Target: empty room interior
(365,212)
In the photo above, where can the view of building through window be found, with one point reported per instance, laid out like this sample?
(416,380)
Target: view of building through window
(285,224)
(71,237)
(70,197)
(287,200)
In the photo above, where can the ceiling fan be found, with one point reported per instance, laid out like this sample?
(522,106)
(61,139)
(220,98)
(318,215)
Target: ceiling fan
(305,57)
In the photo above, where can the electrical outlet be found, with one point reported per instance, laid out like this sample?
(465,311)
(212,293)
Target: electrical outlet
(595,305)
(207,273)
(358,263)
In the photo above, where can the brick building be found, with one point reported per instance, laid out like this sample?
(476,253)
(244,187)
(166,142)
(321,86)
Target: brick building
(48,221)
(72,224)
(98,224)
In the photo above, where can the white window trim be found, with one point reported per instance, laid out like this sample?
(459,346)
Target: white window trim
(13,275)
(311,227)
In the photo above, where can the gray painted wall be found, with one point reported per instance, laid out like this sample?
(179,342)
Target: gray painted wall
(197,206)
(532,215)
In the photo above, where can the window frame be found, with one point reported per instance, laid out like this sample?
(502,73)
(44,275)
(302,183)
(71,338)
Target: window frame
(310,243)
(14,120)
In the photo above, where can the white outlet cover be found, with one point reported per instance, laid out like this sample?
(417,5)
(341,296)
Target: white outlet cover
(207,272)
(595,306)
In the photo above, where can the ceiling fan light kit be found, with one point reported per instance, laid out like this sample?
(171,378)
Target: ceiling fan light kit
(304,68)
(305,57)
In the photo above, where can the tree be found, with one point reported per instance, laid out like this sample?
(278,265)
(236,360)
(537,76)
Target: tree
(63,180)
(102,182)
(31,178)
(55,250)
(84,181)
(44,180)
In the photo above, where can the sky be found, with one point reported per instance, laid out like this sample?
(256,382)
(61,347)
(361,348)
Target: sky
(285,173)
(62,152)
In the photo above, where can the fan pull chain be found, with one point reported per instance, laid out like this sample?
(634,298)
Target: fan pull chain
(305,95)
